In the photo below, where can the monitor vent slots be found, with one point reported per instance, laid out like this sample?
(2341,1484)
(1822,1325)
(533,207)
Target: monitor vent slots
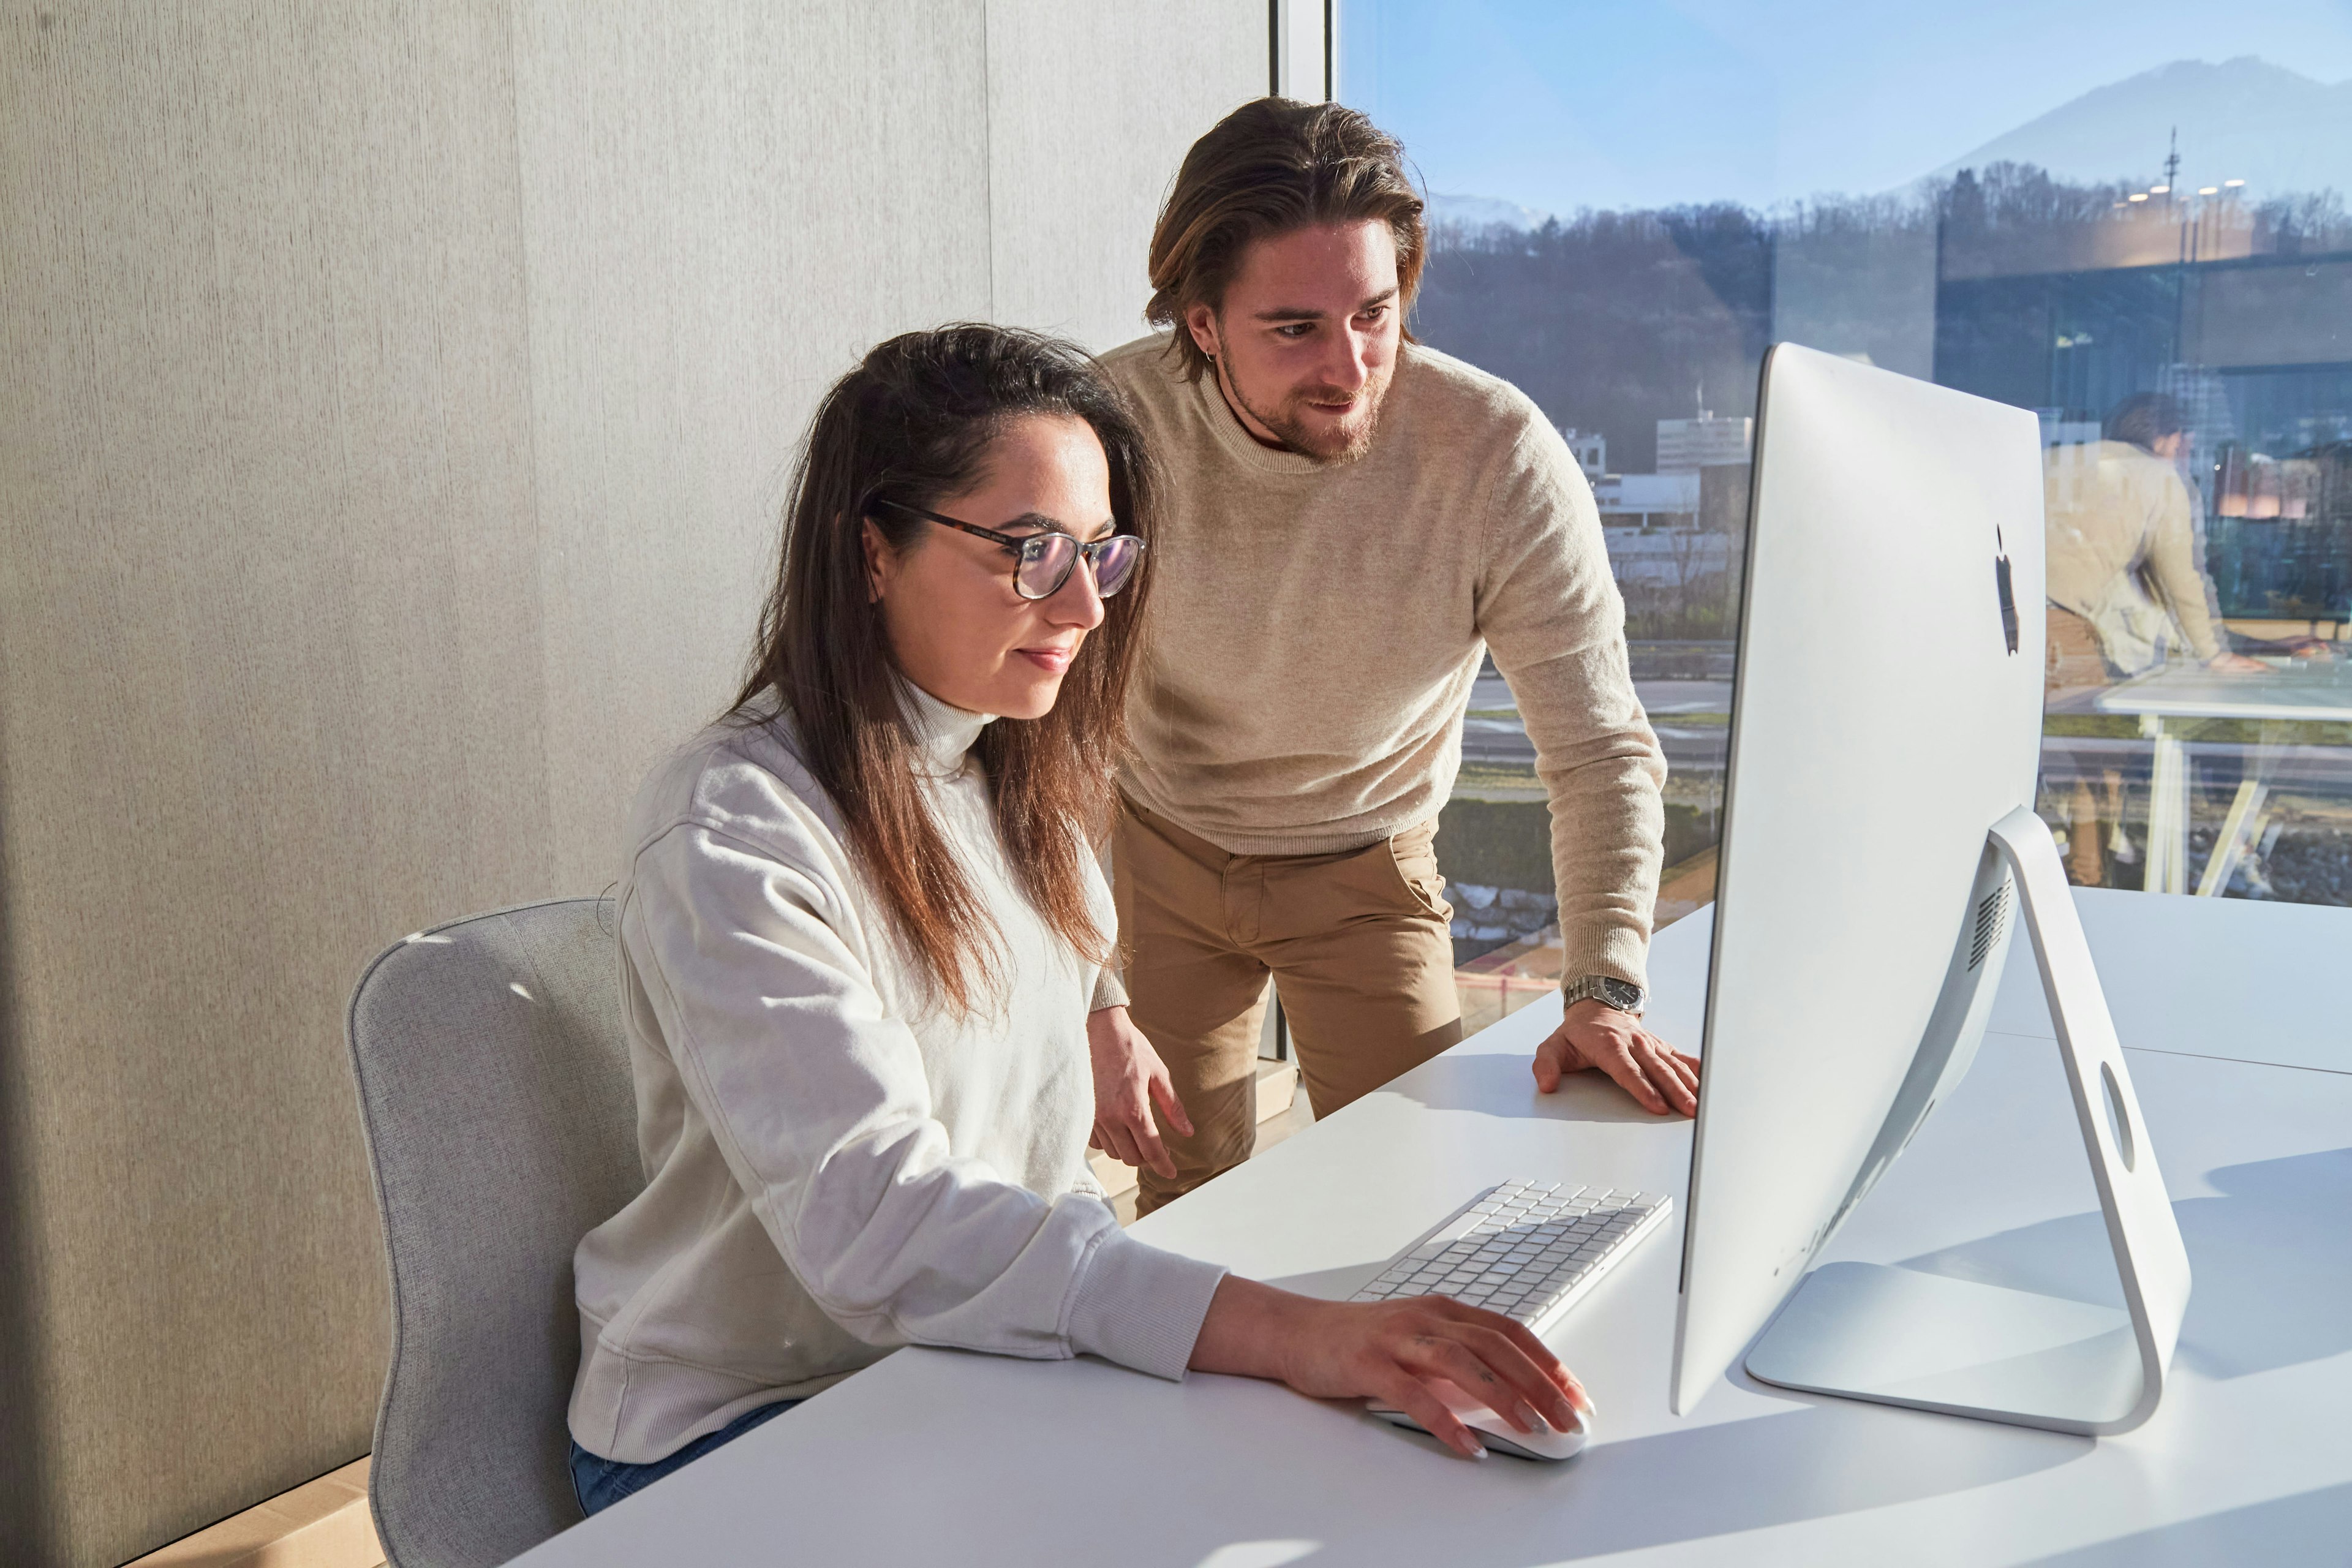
(1992,912)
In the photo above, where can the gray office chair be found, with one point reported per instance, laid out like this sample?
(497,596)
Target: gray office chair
(501,1126)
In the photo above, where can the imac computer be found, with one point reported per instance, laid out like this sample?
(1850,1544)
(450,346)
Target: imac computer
(1880,845)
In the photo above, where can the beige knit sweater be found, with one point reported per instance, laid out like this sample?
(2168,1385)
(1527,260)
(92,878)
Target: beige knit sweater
(1317,628)
(2116,511)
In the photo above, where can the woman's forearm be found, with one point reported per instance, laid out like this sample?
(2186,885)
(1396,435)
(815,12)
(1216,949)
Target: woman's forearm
(1392,1351)
(1245,1330)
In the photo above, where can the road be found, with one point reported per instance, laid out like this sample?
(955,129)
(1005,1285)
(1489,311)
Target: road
(1493,735)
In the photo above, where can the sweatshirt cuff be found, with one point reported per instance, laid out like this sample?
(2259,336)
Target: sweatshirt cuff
(1110,990)
(1141,1306)
(1614,950)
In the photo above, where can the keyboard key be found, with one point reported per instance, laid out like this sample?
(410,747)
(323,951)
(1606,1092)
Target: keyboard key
(1525,1248)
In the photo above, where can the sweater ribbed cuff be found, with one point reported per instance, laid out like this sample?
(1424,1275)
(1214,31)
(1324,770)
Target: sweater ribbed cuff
(1141,1306)
(1613,949)
(1110,990)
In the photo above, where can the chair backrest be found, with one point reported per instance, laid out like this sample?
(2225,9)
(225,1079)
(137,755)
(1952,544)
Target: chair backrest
(501,1126)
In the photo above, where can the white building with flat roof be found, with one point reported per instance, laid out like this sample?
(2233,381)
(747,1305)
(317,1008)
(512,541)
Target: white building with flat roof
(1643,500)
(1686,445)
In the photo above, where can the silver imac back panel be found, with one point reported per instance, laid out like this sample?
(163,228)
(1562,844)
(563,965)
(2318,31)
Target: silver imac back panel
(1885,744)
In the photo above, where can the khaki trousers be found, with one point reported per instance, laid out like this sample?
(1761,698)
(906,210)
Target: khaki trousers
(1356,943)
(2075,664)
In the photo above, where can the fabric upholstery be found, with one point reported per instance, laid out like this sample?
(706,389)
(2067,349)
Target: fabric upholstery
(494,1084)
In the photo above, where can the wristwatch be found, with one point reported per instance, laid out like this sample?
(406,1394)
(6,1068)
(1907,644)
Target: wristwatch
(1608,990)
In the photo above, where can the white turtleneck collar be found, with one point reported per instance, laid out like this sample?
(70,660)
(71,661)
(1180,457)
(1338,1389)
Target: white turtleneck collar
(944,735)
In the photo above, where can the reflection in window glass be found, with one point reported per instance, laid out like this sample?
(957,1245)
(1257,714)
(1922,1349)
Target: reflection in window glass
(2130,219)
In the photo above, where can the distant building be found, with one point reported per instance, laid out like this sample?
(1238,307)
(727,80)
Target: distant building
(1591,449)
(1686,445)
(1670,558)
(1645,501)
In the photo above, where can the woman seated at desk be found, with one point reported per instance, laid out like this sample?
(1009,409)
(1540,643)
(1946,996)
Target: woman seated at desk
(861,936)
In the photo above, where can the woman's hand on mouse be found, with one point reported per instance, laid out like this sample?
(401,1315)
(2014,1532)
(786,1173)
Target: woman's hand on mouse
(1394,1352)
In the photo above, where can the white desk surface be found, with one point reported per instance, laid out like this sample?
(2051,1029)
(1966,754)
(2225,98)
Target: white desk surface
(935,1457)
(2231,978)
(2317,692)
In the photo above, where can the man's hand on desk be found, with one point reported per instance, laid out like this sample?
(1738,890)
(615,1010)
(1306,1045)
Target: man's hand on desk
(1129,1079)
(1392,1352)
(2237,664)
(1594,1034)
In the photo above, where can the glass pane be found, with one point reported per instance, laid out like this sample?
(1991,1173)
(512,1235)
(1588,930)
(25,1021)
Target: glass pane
(2066,207)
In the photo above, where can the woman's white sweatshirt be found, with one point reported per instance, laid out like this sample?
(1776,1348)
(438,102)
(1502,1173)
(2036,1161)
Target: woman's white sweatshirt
(834,1166)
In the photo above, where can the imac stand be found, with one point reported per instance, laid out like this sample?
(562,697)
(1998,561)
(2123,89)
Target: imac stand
(1898,1336)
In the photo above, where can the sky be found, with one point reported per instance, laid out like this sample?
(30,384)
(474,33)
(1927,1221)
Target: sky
(1616,103)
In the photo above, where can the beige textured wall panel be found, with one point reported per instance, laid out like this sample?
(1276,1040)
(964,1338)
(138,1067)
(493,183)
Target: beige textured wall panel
(268,627)
(725,204)
(396,400)
(1091,107)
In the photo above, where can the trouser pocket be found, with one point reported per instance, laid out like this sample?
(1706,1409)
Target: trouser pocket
(1412,856)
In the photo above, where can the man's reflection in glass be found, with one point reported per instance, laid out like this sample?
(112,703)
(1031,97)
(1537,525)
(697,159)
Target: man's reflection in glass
(2125,585)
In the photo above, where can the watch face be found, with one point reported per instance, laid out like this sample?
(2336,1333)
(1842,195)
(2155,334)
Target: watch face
(1622,994)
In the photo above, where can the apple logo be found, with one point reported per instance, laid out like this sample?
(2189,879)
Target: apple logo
(2008,591)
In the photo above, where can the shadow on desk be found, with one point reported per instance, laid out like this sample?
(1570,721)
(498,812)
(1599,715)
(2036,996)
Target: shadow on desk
(1780,1479)
(1757,1474)
(1270,1478)
(1481,1082)
(2271,1260)
(1749,1475)
(2283,1531)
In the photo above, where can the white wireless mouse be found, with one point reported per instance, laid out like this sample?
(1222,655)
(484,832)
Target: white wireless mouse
(1543,1442)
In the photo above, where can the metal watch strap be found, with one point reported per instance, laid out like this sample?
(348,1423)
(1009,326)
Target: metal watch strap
(1606,989)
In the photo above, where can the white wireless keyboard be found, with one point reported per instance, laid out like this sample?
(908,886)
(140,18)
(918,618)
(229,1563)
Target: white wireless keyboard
(1527,1249)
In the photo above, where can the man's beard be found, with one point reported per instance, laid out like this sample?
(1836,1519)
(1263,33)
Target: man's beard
(1289,421)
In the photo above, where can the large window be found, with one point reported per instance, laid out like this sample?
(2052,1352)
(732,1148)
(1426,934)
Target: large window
(2128,218)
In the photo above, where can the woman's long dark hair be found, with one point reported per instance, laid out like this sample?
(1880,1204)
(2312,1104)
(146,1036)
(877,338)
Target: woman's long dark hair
(914,422)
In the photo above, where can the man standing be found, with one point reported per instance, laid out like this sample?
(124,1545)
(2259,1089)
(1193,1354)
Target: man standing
(2124,577)
(1352,520)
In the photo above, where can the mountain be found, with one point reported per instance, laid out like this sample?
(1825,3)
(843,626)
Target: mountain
(1479,212)
(2245,118)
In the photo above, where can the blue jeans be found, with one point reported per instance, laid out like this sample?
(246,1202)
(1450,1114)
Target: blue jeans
(599,1482)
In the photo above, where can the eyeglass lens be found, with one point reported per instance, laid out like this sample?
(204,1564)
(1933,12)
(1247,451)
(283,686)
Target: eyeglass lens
(1046,559)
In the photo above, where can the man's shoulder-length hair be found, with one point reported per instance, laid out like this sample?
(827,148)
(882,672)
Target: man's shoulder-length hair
(1269,167)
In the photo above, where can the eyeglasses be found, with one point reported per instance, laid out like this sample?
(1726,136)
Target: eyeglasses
(1043,561)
